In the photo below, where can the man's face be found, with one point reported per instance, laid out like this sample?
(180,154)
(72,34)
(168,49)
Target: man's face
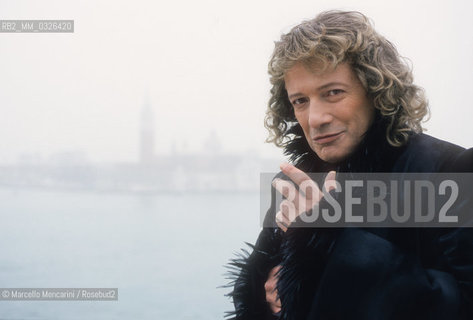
(332,108)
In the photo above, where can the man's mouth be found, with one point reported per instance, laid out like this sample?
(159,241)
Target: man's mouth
(327,138)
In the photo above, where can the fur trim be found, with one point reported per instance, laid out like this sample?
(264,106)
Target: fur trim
(248,273)
(305,252)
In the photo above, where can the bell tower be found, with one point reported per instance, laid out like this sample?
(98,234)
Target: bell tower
(147,132)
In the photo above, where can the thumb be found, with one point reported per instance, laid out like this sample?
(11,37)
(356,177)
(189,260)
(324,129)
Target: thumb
(330,182)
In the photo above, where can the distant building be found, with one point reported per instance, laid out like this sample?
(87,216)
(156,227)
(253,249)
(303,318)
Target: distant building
(147,134)
(212,144)
(208,170)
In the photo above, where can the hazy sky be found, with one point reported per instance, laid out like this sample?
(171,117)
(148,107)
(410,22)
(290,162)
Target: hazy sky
(203,66)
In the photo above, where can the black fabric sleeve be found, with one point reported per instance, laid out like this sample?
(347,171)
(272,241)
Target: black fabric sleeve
(367,277)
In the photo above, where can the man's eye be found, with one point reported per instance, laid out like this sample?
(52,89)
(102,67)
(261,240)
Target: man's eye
(299,101)
(334,92)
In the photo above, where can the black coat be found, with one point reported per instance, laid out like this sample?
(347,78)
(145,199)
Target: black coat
(353,273)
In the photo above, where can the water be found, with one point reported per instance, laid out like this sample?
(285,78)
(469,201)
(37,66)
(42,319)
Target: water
(164,253)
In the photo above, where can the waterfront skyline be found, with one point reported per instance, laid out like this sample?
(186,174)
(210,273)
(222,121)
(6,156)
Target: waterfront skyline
(203,69)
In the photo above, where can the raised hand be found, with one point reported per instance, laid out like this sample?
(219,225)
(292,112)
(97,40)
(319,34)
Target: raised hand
(299,201)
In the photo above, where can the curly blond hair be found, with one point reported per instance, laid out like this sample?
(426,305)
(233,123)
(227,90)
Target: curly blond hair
(335,37)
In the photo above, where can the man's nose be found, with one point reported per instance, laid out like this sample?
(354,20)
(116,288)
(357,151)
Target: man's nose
(319,115)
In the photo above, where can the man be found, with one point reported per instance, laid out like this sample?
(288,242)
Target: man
(342,100)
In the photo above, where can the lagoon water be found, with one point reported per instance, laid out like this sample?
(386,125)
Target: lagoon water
(165,253)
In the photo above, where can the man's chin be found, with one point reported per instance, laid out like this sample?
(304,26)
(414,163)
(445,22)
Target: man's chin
(330,158)
(330,154)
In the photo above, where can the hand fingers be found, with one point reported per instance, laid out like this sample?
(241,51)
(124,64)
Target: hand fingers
(275,307)
(330,183)
(311,191)
(280,221)
(288,190)
(296,175)
(274,271)
(271,290)
(270,284)
(310,194)
(273,300)
(272,296)
(308,186)
(298,202)
(286,215)
(289,211)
